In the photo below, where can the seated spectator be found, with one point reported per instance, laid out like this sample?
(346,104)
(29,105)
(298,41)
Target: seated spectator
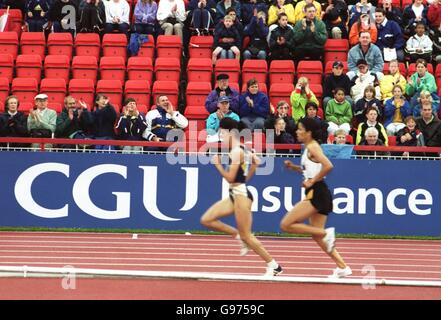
(162,120)
(222,89)
(13,123)
(388,81)
(278,7)
(363,24)
(42,121)
(363,78)
(301,95)
(371,121)
(171,16)
(227,41)
(36,14)
(281,136)
(396,110)
(430,125)
(214,119)
(426,96)
(419,81)
(335,18)
(362,7)
(222,7)
(282,112)
(300,10)
(339,137)
(145,16)
(310,35)
(363,104)
(412,14)
(250,7)
(117,16)
(390,37)
(281,42)
(92,16)
(419,46)
(371,139)
(434,15)
(254,106)
(337,79)
(367,51)
(236,21)
(104,117)
(392,13)
(257,30)
(437,44)
(131,125)
(338,113)
(410,136)
(311,112)
(62,17)
(201,15)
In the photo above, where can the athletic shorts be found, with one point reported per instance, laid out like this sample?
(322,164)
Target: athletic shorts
(241,190)
(320,197)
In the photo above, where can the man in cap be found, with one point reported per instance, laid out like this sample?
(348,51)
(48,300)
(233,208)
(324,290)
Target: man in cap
(214,119)
(337,79)
(42,120)
(221,90)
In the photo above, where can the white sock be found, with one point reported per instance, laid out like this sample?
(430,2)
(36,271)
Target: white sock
(237,237)
(272,264)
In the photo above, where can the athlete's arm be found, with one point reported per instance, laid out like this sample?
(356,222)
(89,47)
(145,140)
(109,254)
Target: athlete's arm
(229,175)
(317,155)
(293,167)
(254,164)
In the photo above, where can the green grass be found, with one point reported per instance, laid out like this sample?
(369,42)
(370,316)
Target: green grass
(157,231)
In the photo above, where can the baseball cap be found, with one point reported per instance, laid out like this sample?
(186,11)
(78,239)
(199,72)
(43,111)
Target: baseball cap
(223,99)
(41,96)
(222,76)
(337,64)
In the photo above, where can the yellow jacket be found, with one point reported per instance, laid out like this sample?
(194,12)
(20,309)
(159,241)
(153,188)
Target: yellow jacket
(274,11)
(388,82)
(299,14)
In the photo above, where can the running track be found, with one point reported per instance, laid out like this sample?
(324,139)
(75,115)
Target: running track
(300,257)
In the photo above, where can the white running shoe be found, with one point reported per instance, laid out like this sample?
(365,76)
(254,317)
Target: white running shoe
(340,273)
(271,272)
(243,247)
(329,239)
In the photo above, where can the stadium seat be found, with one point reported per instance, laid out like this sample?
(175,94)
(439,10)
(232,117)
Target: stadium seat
(313,70)
(228,66)
(281,91)
(336,50)
(199,70)
(112,68)
(60,44)
(328,67)
(196,112)
(113,90)
(140,68)
(138,90)
(28,66)
(15,20)
(85,67)
(115,45)
(4,92)
(262,87)
(9,43)
(83,89)
(25,89)
(88,44)
(392,141)
(401,66)
(55,89)
(167,69)
(256,69)
(57,67)
(33,43)
(167,88)
(169,46)
(317,89)
(58,107)
(412,69)
(281,71)
(201,47)
(6,66)
(437,75)
(147,49)
(197,93)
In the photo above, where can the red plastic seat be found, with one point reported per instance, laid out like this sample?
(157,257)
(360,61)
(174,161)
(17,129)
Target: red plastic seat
(336,50)
(228,66)
(167,69)
(6,66)
(28,66)
(317,89)
(201,46)
(169,46)
(197,93)
(57,67)
(167,88)
(113,90)
(147,49)
(33,43)
(85,67)
(83,89)
(113,68)
(281,71)
(60,44)
(313,70)
(199,70)
(88,44)
(140,68)
(138,90)
(281,91)
(392,141)
(9,43)
(4,92)
(115,45)
(412,68)
(256,69)
(438,75)
(15,20)
(25,89)
(55,89)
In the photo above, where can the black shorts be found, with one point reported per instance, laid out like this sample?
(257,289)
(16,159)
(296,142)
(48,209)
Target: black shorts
(320,197)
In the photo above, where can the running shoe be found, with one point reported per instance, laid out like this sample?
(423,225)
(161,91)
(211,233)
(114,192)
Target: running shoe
(329,239)
(340,273)
(271,272)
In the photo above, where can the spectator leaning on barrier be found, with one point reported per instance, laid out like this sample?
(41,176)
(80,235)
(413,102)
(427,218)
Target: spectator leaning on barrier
(253,106)
(42,120)
(13,123)
(371,139)
(222,89)
(430,125)
(215,118)
(104,117)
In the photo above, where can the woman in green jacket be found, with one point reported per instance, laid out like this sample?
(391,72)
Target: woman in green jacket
(301,95)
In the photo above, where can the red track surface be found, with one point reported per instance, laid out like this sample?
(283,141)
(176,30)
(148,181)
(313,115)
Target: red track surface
(391,259)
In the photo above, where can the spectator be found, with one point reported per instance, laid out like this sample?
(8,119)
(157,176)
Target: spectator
(282,40)
(362,7)
(214,119)
(389,81)
(145,16)
(437,44)
(311,112)
(254,106)
(202,14)
(337,79)
(117,16)
(278,7)
(395,110)
(42,120)
(367,51)
(301,95)
(363,24)
(282,112)
(434,15)
(250,7)
(257,30)
(104,117)
(131,125)
(371,139)
(300,10)
(410,136)
(362,105)
(36,14)
(339,137)
(281,136)
(430,125)
(335,18)
(426,96)
(371,121)
(222,7)
(412,14)
(171,16)
(363,78)
(60,16)
(162,120)
(13,123)
(392,13)
(236,22)
(339,112)
(310,35)
(227,41)
(419,46)
(223,89)
(419,81)
(390,37)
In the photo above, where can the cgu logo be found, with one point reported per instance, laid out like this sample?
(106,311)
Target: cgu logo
(81,194)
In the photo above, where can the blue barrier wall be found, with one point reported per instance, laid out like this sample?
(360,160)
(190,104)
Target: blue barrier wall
(144,191)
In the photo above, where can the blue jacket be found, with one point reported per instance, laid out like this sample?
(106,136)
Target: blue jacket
(104,121)
(390,36)
(223,32)
(213,121)
(213,97)
(221,10)
(257,31)
(261,105)
(389,111)
(248,10)
(373,57)
(131,128)
(30,7)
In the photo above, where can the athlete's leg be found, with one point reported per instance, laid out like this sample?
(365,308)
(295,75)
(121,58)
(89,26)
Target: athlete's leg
(220,209)
(292,222)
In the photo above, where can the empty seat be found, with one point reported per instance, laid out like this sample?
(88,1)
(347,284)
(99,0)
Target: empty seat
(82,89)
(28,66)
(167,88)
(169,46)
(228,66)
(112,68)
(140,68)
(113,90)
(33,43)
(138,90)
(281,91)
(55,89)
(147,49)
(9,43)
(57,67)
(256,69)
(201,46)
(115,45)
(88,44)
(6,66)
(313,70)
(25,89)
(197,93)
(336,50)
(4,92)
(60,44)
(281,71)
(167,69)
(85,67)
(199,70)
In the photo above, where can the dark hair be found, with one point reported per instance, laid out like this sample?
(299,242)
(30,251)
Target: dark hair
(309,5)
(252,82)
(422,61)
(280,15)
(380,10)
(312,126)
(339,89)
(7,102)
(311,104)
(128,100)
(420,24)
(230,9)
(371,108)
(231,124)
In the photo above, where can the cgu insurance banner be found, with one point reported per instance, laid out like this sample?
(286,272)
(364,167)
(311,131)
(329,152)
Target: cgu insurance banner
(80,190)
